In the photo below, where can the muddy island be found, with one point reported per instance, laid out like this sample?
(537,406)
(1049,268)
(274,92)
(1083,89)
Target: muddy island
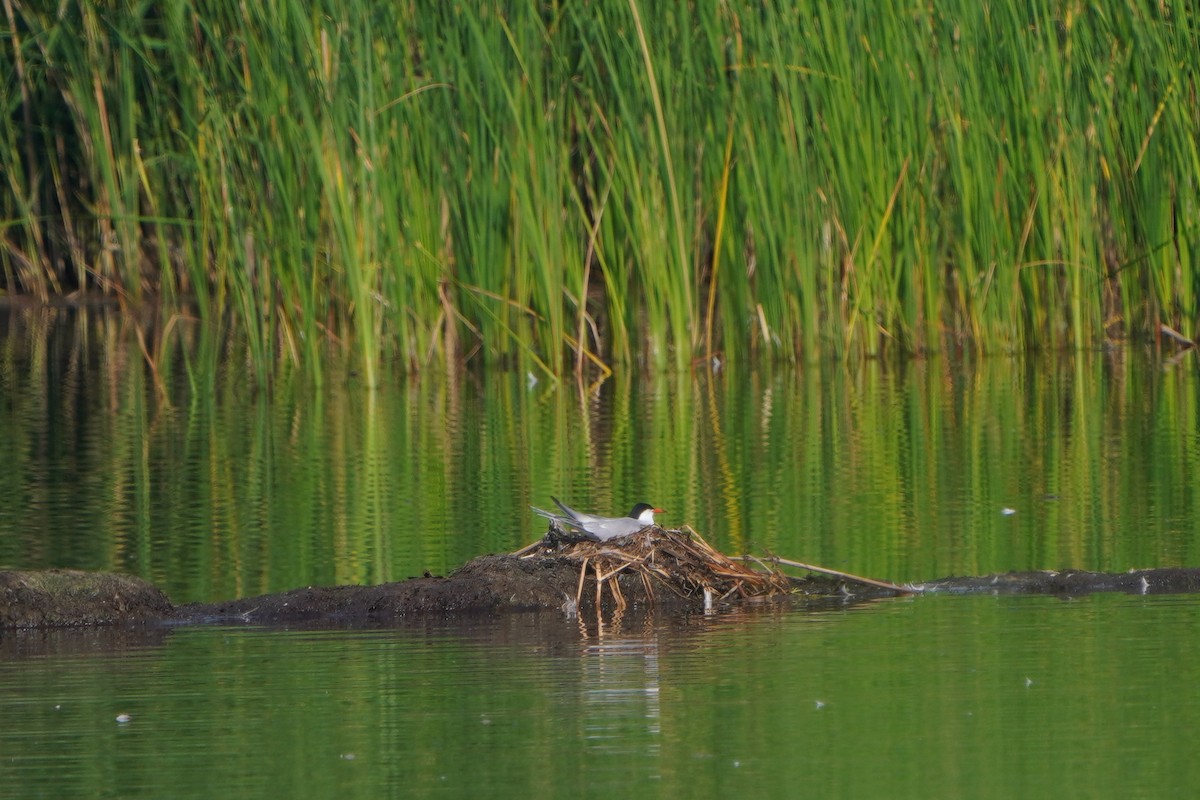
(669,570)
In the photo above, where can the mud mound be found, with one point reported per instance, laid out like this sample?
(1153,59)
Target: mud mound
(655,568)
(659,568)
(1073,583)
(64,597)
(485,584)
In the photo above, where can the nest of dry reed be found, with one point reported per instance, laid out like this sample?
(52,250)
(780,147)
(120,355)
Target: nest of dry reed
(678,561)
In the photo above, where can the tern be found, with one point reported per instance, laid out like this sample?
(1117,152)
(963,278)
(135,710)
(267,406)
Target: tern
(602,528)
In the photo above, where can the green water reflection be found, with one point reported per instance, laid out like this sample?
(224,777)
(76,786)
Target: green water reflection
(931,697)
(899,471)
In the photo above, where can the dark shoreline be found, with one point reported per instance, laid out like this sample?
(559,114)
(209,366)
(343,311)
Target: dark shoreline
(486,585)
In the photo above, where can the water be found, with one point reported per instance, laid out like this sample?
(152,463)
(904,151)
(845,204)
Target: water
(901,472)
(932,697)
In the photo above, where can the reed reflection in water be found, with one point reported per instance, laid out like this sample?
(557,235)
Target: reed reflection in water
(897,471)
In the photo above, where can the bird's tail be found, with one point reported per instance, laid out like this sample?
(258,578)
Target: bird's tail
(542,512)
(565,508)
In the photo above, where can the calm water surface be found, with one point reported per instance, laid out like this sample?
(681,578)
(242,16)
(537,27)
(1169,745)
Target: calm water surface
(903,472)
(936,697)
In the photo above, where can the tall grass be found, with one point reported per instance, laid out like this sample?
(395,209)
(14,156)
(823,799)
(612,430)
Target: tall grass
(552,185)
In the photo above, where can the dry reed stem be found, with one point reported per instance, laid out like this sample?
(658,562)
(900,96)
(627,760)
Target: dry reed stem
(579,588)
(835,573)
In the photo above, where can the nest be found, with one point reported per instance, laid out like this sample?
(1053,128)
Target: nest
(678,561)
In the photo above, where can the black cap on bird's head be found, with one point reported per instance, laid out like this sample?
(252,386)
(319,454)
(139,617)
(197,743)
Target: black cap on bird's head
(645,512)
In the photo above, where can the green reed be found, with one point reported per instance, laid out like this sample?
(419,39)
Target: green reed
(555,185)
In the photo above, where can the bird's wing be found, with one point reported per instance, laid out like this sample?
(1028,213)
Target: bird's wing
(571,513)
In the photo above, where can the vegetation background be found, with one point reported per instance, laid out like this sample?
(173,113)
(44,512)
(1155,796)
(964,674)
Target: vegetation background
(565,185)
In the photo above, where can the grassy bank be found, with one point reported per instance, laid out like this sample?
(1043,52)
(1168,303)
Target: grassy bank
(570,184)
